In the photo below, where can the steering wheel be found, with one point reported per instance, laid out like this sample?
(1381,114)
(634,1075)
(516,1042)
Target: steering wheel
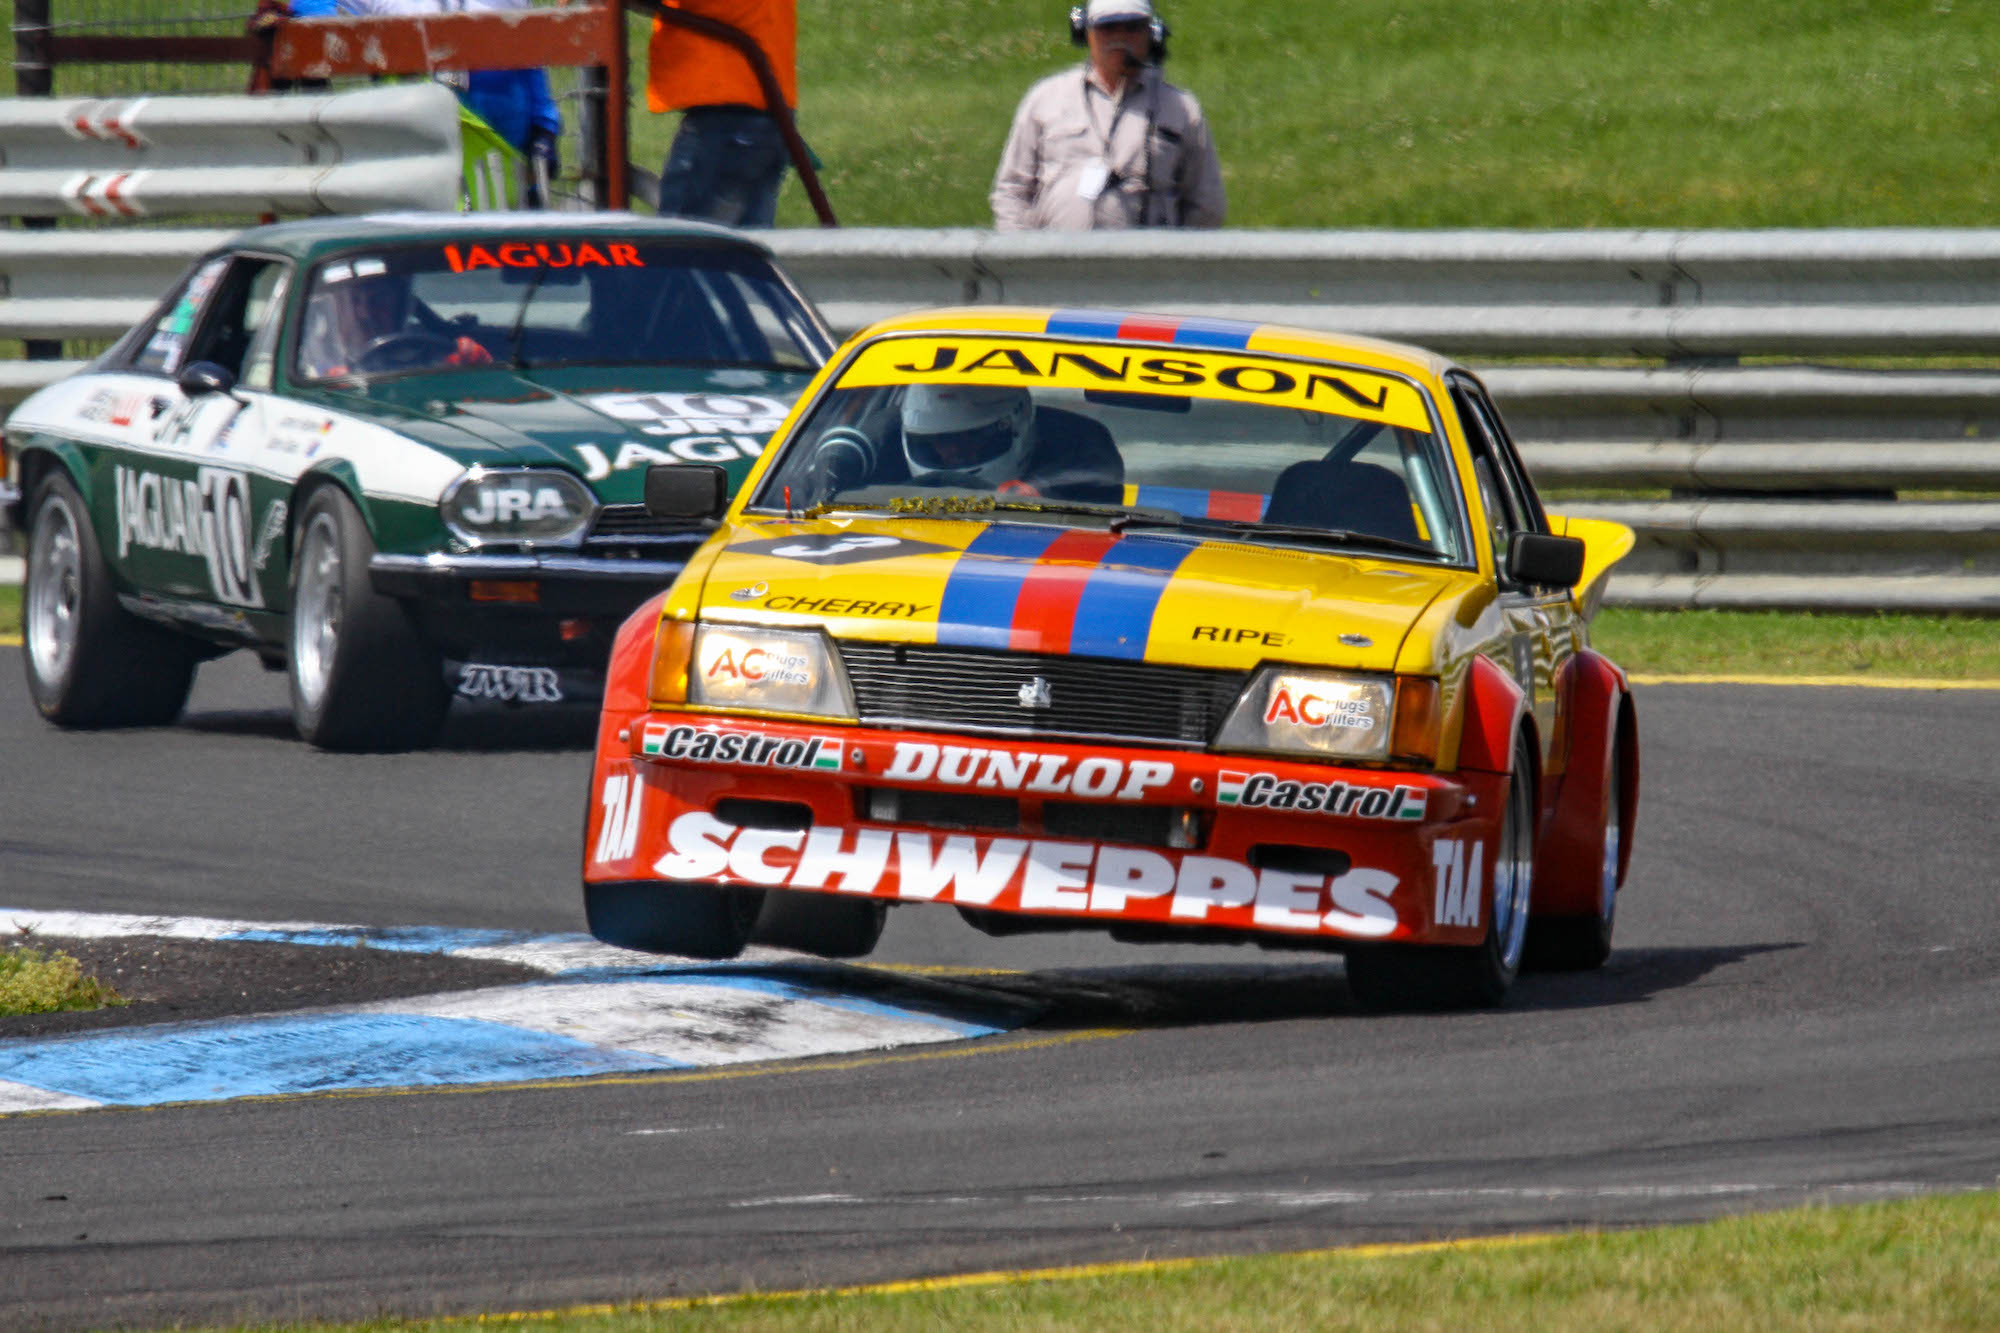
(844,457)
(406,349)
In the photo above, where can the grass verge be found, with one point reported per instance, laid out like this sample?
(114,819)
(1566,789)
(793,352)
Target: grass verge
(1920,1265)
(32,982)
(1783,643)
(10,609)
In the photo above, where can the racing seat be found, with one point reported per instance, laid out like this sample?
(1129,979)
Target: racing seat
(1075,458)
(1349,497)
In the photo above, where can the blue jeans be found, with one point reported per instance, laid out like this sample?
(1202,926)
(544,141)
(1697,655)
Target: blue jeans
(725,166)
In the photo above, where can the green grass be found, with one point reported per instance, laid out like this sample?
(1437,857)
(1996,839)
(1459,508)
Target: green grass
(1385,113)
(1382,113)
(1789,644)
(32,982)
(10,610)
(1930,1264)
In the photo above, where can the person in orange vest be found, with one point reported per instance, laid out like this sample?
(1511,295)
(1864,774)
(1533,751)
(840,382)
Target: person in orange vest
(727,158)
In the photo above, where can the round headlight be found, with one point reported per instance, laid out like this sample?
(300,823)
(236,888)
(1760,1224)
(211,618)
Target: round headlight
(519,507)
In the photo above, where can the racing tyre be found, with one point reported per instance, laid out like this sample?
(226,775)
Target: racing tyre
(687,920)
(91,663)
(818,923)
(1579,943)
(1390,977)
(363,677)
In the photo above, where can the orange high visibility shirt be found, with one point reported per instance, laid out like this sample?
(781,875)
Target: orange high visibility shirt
(686,70)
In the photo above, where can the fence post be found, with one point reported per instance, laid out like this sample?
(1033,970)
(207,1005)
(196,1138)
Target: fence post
(34,77)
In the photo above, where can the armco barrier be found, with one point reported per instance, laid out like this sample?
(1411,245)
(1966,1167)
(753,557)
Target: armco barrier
(1716,434)
(150,157)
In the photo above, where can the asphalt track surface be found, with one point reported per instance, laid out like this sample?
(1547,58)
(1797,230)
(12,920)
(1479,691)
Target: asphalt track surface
(1802,1006)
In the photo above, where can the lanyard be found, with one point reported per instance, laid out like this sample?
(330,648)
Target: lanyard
(1117,114)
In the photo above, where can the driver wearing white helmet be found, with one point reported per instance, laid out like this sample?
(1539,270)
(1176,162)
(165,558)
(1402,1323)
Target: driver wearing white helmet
(972,435)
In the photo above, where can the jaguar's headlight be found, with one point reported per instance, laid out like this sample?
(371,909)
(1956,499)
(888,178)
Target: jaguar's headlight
(768,670)
(517,507)
(1320,713)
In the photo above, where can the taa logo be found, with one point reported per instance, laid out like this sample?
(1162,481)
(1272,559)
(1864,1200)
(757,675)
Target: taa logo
(619,834)
(1459,882)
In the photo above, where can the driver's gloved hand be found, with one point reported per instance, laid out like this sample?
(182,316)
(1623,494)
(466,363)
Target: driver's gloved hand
(469,353)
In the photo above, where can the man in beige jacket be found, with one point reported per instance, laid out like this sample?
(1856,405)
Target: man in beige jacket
(1112,144)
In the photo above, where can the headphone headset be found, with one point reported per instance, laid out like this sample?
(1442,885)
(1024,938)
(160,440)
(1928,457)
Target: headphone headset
(1156,49)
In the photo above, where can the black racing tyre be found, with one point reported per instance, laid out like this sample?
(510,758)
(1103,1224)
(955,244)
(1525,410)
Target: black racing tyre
(1395,977)
(1579,943)
(686,920)
(819,923)
(91,663)
(363,676)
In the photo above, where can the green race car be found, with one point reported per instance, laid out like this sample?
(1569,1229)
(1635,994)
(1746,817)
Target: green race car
(401,457)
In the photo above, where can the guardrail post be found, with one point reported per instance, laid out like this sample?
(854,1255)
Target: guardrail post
(34,76)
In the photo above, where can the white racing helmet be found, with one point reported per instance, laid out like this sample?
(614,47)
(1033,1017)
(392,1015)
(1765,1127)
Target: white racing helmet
(981,432)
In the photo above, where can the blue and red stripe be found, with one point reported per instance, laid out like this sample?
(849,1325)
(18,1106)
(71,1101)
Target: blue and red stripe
(1045,590)
(1245,506)
(1223,334)
(977,609)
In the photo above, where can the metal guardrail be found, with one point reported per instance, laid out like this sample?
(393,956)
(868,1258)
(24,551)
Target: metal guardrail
(1740,446)
(354,152)
(1468,293)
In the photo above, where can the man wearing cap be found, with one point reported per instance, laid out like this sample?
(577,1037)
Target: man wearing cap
(1111,145)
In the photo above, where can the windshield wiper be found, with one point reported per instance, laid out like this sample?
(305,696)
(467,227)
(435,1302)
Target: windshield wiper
(1246,530)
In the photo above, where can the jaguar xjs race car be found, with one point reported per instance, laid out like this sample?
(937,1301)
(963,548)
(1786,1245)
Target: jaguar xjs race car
(400,455)
(1181,629)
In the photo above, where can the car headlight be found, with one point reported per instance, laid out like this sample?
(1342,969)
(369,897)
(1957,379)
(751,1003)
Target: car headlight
(768,670)
(1318,713)
(517,507)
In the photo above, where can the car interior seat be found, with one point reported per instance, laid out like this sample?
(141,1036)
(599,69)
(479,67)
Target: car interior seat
(1348,496)
(1076,458)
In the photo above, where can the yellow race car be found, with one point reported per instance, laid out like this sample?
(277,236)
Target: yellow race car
(1177,628)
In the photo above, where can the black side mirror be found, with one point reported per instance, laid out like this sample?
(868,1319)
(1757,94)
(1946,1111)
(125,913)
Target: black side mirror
(1544,558)
(206,377)
(686,490)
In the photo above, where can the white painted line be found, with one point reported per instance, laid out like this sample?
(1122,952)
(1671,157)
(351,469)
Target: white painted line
(1328,1198)
(21,1097)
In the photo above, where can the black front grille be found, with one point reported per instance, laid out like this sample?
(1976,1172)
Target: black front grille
(619,522)
(972,689)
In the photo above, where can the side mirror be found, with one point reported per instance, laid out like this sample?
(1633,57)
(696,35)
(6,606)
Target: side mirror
(1544,558)
(688,491)
(206,377)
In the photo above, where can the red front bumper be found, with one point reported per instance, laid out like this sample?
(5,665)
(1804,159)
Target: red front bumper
(1135,835)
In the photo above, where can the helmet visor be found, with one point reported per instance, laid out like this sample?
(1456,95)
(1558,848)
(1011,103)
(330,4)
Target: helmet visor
(959,450)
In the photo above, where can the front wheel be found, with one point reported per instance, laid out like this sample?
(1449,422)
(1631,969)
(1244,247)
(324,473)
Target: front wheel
(363,677)
(91,663)
(1579,943)
(1388,977)
(686,920)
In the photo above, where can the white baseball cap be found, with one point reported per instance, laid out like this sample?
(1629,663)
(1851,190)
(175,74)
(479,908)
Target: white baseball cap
(1118,11)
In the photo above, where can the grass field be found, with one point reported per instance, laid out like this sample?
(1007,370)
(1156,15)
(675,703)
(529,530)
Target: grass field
(1387,113)
(1931,1264)
(1779,643)
(1406,113)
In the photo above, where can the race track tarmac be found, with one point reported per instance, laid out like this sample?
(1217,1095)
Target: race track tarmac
(1802,1006)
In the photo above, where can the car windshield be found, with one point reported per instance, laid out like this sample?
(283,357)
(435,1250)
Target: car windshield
(526,303)
(1339,457)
